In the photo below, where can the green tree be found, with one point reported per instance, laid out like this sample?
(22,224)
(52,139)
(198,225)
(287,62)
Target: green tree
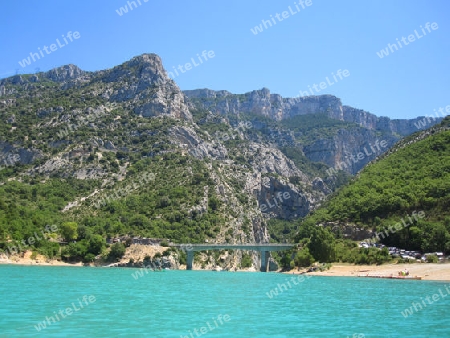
(75,251)
(214,203)
(69,231)
(246,261)
(322,245)
(96,244)
(304,258)
(117,252)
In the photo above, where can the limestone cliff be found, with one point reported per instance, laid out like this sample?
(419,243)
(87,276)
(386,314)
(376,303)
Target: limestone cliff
(264,103)
(362,129)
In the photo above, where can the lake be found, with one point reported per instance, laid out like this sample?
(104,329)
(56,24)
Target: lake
(117,302)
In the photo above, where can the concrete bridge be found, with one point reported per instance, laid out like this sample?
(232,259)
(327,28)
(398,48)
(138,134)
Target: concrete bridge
(263,248)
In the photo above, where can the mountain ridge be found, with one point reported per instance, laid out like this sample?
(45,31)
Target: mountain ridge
(271,104)
(70,138)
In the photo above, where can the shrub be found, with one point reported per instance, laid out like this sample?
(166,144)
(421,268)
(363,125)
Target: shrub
(96,244)
(69,231)
(48,249)
(117,251)
(325,266)
(432,259)
(182,258)
(214,203)
(404,260)
(304,258)
(75,251)
(246,261)
(89,258)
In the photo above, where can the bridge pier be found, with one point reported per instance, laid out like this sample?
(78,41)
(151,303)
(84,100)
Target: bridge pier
(265,255)
(263,248)
(189,259)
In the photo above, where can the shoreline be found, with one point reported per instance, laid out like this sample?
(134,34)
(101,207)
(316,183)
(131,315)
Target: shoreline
(428,271)
(25,262)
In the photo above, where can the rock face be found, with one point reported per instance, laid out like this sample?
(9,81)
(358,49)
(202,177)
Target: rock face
(278,198)
(271,160)
(142,83)
(64,74)
(187,138)
(169,262)
(400,127)
(349,230)
(270,185)
(146,85)
(264,103)
(338,150)
(11,154)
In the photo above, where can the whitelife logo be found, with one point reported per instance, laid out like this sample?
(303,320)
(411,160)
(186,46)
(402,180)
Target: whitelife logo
(65,313)
(283,287)
(124,10)
(222,319)
(396,227)
(421,124)
(206,55)
(279,196)
(280,17)
(53,47)
(20,246)
(324,85)
(359,157)
(416,307)
(411,38)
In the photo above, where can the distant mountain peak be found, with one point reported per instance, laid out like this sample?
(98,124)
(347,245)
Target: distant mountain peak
(64,73)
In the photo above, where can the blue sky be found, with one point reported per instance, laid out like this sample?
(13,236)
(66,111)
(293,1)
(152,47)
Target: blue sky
(300,50)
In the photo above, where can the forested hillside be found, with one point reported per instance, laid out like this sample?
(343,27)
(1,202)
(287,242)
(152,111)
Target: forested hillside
(413,177)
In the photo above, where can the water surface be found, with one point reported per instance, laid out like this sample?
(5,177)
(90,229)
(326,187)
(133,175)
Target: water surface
(214,304)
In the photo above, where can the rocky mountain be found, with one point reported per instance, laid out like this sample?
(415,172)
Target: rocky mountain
(125,151)
(360,131)
(262,102)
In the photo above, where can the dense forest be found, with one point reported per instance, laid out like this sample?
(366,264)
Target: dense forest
(412,178)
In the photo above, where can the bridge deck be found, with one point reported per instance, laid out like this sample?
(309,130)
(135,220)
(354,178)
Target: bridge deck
(256,246)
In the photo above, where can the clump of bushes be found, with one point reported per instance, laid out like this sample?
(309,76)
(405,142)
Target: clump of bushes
(246,261)
(84,249)
(432,259)
(117,252)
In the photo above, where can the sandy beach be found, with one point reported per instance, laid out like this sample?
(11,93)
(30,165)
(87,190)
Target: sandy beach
(25,259)
(428,271)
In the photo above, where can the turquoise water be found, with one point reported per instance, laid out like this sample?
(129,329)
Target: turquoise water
(224,304)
